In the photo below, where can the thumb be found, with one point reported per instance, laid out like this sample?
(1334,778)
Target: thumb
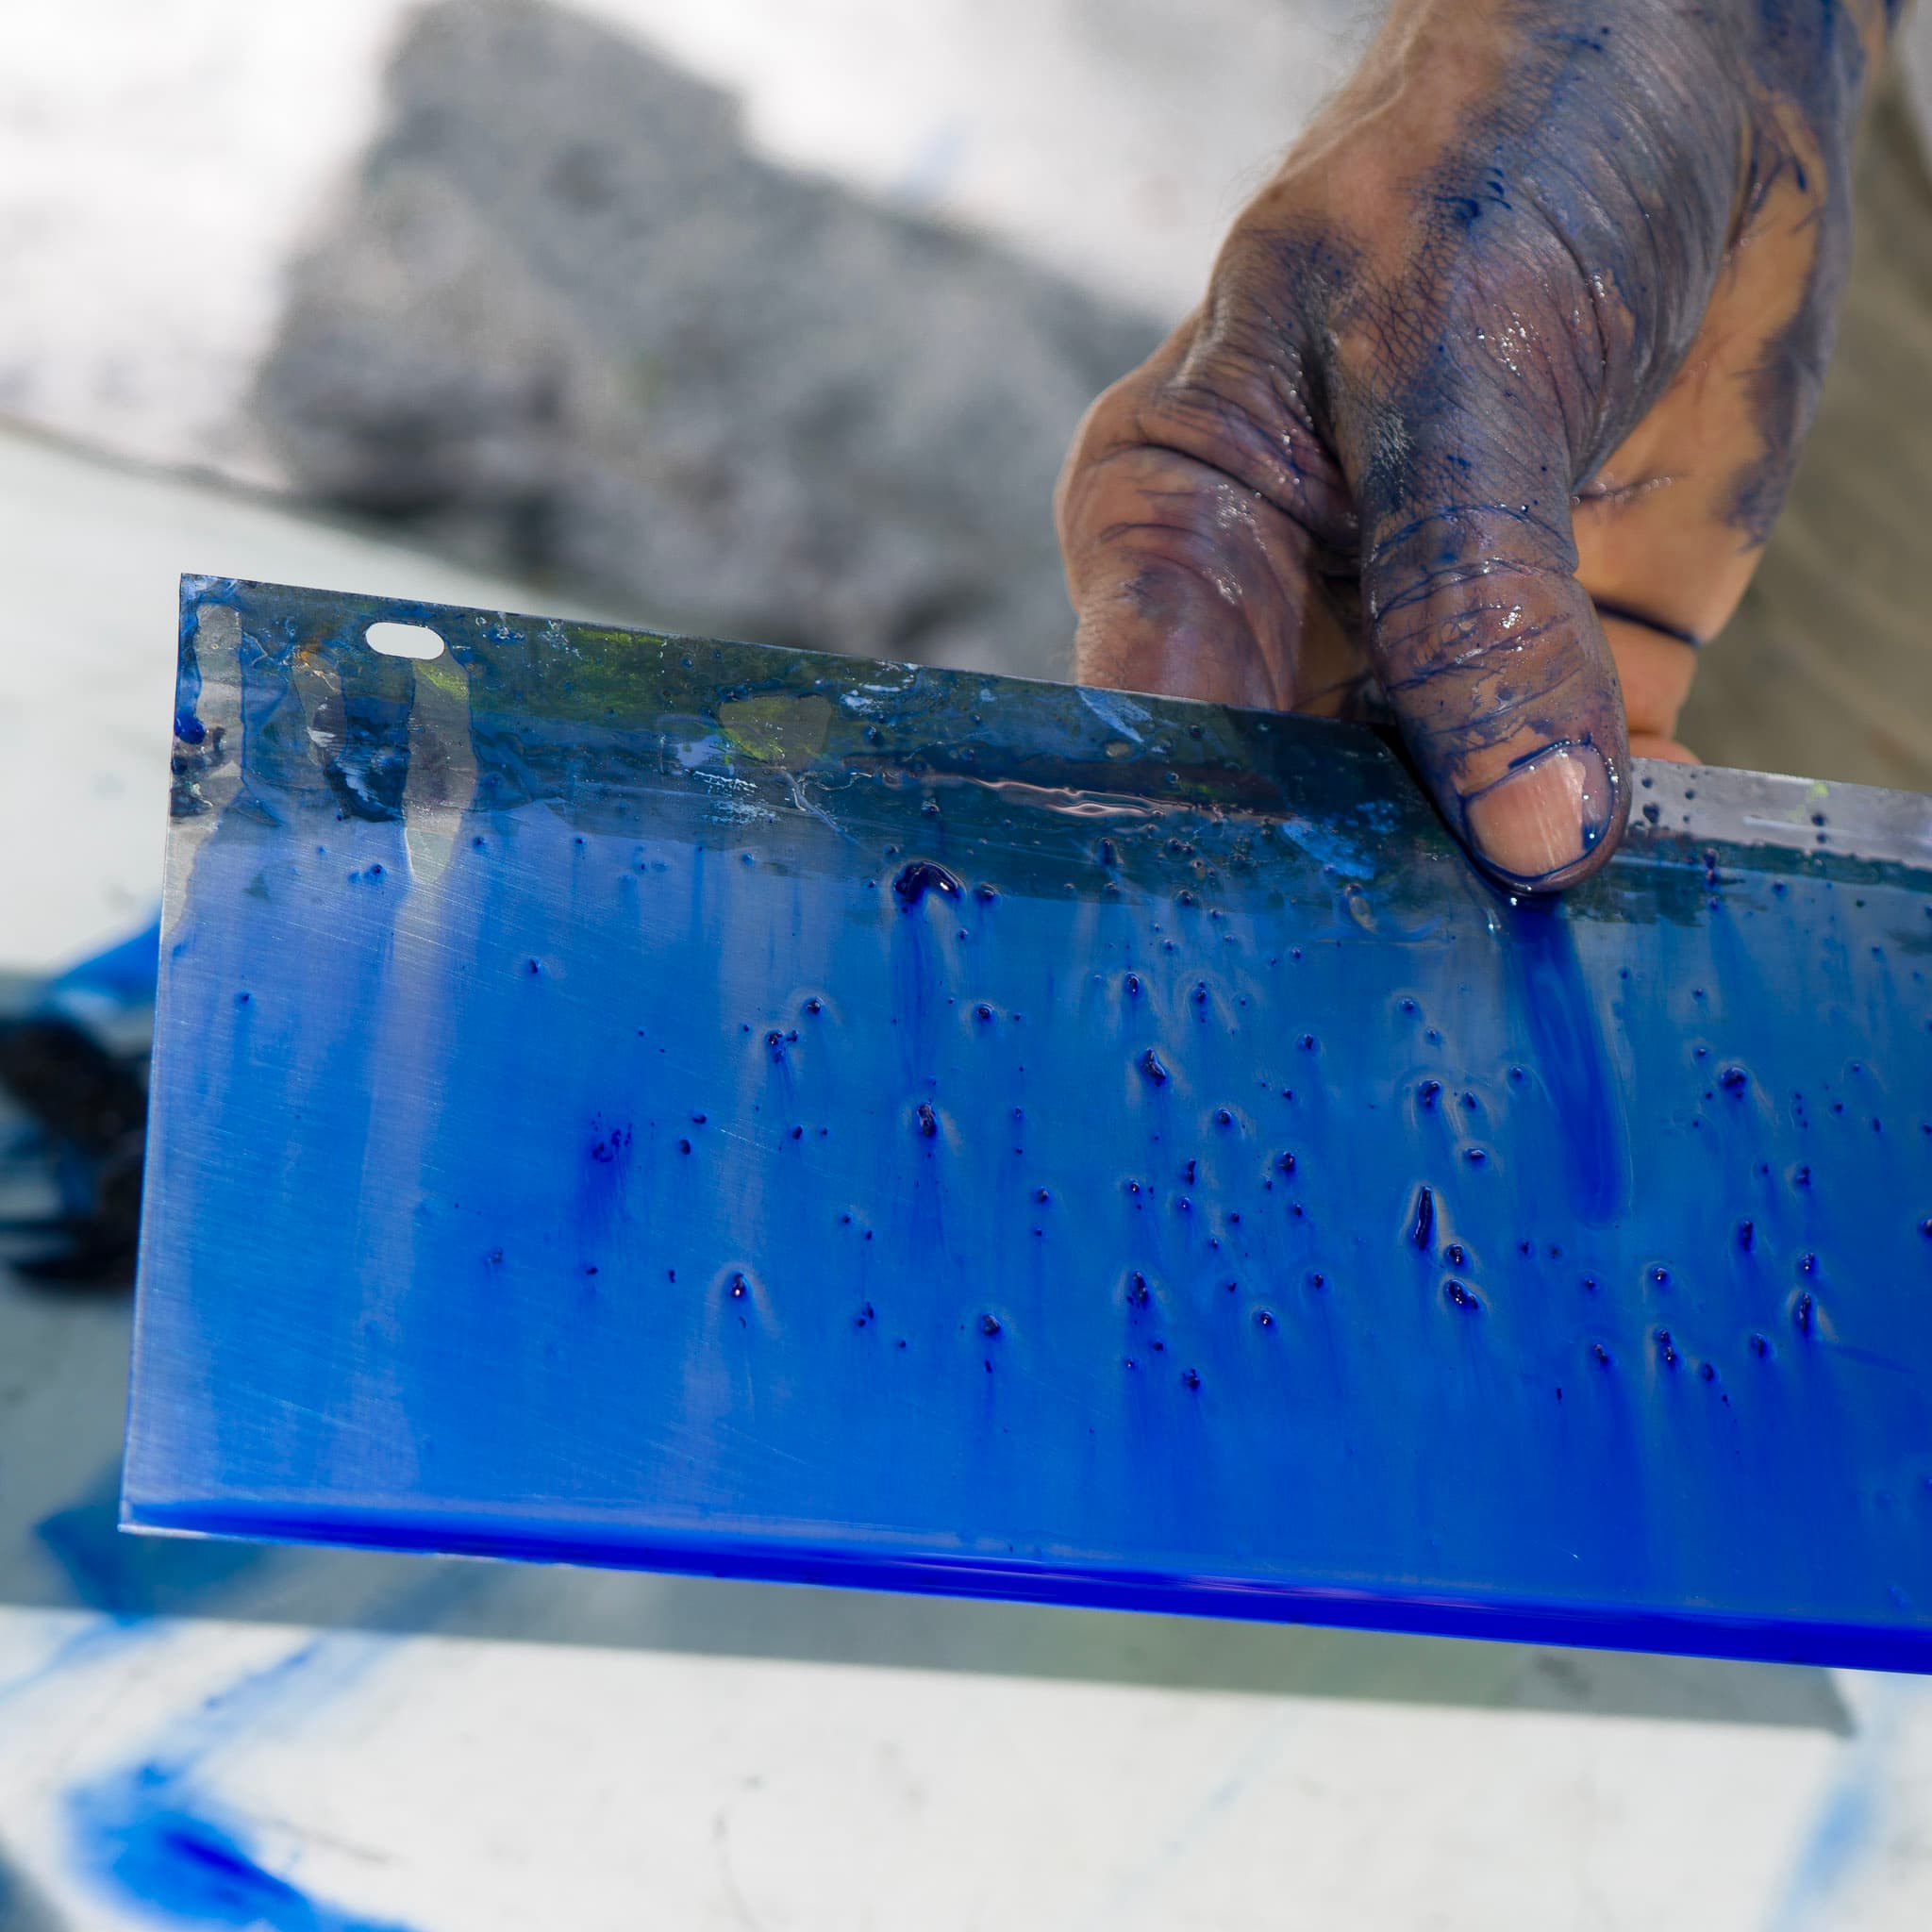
(1489,650)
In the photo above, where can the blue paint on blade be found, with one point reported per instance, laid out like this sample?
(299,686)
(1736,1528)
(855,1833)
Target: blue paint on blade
(557,1155)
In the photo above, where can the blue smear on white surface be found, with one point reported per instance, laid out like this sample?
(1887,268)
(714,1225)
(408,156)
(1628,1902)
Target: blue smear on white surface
(190,1866)
(1847,1823)
(151,1837)
(651,1185)
(24,1908)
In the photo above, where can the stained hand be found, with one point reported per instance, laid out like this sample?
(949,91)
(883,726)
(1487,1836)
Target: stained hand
(1492,400)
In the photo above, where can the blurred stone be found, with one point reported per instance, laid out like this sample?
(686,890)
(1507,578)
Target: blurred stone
(568,325)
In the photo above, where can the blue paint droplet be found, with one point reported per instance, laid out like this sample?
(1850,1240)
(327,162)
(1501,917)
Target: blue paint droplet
(914,881)
(1150,1064)
(1422,1228)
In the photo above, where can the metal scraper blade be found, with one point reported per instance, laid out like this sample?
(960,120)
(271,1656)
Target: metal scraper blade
(642,1101)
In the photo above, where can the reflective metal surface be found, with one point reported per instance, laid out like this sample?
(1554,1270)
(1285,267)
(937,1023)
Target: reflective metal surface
(646,1101)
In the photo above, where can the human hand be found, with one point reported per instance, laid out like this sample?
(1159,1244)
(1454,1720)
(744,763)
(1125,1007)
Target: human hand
(1492,400)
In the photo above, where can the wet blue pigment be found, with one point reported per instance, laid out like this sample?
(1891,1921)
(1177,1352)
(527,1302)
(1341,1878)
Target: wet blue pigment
(1071,1244)
(149,1837)
(190,1866)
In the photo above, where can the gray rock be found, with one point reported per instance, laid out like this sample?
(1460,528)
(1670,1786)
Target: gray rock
(568,323)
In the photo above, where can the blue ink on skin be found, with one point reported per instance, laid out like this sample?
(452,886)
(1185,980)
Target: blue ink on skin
(1354,380)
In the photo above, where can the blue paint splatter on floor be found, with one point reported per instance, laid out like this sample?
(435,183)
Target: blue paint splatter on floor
(190,1866)
(149,1837)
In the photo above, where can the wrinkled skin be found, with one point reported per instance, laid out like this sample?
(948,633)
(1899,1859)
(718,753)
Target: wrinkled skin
(1492,400)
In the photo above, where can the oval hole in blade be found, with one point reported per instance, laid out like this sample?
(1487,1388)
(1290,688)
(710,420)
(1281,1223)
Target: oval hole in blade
(403,640)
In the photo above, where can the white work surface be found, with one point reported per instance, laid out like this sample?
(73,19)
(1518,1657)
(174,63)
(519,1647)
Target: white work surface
(403,1743)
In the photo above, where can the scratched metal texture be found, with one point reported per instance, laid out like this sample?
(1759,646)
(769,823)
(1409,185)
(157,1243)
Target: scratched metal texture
(640,1101)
